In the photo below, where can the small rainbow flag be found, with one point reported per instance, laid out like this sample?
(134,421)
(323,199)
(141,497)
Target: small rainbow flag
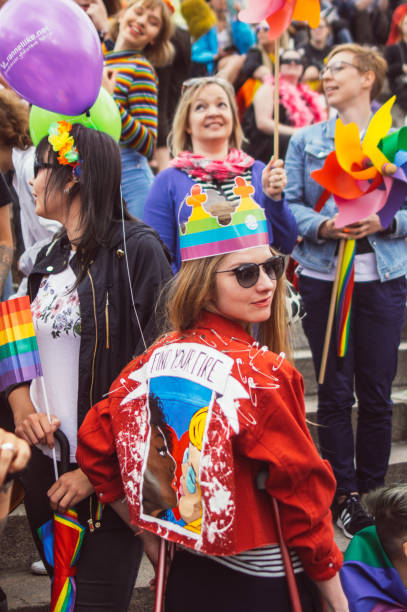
(369,579)
(344,297)
(19,357)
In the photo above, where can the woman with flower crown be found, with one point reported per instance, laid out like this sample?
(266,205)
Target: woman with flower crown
(206,141)
(93,292)
(234,439)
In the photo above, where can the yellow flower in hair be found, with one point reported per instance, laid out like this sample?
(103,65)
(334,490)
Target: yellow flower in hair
(61,141)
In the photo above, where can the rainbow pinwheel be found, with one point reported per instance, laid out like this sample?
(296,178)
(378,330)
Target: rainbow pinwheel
(280,13)
(355,173)
(365,177)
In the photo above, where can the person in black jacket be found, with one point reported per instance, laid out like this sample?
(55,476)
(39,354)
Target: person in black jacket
(93,294)
(396,57)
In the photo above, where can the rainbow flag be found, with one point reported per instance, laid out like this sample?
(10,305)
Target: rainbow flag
(344,297)
(19,357)
(369,579)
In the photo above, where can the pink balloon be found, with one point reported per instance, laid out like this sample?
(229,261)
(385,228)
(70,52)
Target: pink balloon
(50,54)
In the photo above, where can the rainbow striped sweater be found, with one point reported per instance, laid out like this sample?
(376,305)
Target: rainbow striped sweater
(136,96)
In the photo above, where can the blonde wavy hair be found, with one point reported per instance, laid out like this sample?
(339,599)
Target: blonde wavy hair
(179,139)
(194,288)
(161,53)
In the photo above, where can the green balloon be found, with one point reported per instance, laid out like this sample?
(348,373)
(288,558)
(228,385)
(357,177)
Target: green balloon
(103,116)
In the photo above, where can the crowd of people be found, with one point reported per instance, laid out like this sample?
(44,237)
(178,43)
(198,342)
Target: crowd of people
(155,268)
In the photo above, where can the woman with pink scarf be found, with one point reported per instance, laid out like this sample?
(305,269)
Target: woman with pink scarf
(206,143)
(299,106)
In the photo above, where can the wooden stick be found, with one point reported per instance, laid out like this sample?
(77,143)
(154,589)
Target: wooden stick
(160,582)
(331,313)
(276,113)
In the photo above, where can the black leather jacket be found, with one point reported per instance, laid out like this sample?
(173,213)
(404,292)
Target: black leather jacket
(110,333)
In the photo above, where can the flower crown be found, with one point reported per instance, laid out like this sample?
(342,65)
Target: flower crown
(61,141)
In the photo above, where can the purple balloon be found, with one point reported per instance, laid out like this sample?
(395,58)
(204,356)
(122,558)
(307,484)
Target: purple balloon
(50,54)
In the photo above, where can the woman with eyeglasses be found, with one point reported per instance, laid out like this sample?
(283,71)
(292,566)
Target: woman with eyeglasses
(299,106)
(206,143)
(352,77)
(93,293)
(235,408)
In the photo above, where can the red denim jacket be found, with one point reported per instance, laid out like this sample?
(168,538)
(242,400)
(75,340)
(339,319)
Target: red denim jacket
(227,411)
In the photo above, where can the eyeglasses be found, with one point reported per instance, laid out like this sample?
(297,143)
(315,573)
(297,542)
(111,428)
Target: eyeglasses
(262,28)
(196,81)
(291,60)
(248,274)
(336,67)
(40,165)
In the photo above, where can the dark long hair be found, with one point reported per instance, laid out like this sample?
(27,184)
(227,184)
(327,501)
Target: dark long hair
(98,187)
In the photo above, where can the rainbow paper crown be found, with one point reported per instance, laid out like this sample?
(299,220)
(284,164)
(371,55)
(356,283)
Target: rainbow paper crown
(216,226)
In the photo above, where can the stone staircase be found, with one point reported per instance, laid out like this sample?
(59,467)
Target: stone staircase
(26,592)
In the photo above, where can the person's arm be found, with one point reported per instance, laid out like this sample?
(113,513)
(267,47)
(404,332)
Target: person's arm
(302,483)
(32,426)
(6,245)
(160,210)
(309,221)
(14,454)
(98,14)
(281,223)
(139,129)
(263,104)
(332,594)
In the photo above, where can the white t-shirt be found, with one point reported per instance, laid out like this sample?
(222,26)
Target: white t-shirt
(57,324)
(365,269)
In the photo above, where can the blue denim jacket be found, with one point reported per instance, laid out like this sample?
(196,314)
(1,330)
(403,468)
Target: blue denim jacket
(307,151)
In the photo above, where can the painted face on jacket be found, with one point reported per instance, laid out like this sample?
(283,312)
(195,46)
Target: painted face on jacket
(240,304)
(190,507)
(158,492)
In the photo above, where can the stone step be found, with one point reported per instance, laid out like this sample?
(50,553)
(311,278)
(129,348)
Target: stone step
(303,363)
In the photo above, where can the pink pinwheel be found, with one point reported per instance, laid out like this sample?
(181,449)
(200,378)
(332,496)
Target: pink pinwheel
(280,13)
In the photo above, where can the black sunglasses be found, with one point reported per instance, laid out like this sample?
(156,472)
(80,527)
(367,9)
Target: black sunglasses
(248,274)
(39,165)
(291,60)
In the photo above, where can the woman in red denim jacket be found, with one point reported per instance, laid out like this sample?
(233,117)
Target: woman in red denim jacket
(188,427)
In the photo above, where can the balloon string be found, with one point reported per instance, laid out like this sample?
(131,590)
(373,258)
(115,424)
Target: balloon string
(128,270)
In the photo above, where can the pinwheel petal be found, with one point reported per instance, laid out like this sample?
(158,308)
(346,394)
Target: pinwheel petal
(379,126)
(280,20)
(308,10)
(334,178)
(257,10)
(349,151)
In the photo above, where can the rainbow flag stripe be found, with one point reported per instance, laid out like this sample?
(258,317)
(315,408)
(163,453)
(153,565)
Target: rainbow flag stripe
(344,297)
(370,581)
(19,357)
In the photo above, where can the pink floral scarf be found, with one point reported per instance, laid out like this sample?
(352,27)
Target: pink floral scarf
(236,162)
(303,106)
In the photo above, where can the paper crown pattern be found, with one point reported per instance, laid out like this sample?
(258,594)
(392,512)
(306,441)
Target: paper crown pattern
(216,226)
